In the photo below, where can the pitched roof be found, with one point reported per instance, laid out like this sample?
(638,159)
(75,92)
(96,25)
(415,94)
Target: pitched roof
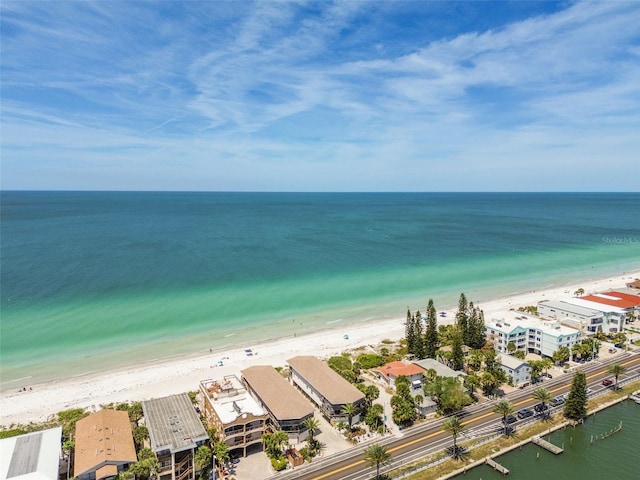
(173,423)
(278,396)
(400,368)
(324,380)
(104,437)
(32,456)
(441,369)
(511,362)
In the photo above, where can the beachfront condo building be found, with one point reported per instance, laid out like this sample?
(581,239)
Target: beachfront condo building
(237,417)
(600,312)
(328,390)
(287,408)
(529,334)
(103,445)
(175,433)
(32,456)
(587,320)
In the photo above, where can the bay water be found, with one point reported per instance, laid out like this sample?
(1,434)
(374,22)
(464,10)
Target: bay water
(591,451)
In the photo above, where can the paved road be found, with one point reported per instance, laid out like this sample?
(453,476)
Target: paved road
(428,437)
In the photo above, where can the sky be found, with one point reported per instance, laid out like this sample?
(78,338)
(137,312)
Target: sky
(320,96)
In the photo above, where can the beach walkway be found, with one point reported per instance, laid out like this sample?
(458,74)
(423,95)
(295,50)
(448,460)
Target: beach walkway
(547,445)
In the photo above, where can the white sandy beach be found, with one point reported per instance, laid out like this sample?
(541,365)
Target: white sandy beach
(141,382)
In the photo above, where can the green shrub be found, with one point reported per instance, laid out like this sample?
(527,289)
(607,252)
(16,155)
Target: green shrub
(370,360)
(340,363)
(279,463)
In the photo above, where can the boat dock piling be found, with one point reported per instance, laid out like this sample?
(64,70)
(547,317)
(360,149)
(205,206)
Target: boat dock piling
(547,445)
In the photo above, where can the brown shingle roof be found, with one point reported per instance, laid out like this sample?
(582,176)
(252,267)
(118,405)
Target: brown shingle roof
(104,437)
(278,396)
(327,382)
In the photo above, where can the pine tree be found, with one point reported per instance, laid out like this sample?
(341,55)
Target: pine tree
(417,329)
(575,407)
(431,339)
(457,355)
(409,332)
(477,334)
(462,317)
(472,320)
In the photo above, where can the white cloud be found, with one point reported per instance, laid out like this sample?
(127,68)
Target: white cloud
(205,95)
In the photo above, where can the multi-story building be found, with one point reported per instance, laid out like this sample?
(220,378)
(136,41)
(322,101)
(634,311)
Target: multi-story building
(614,317)
(103,445)
(517,370)
(328,390)
(529,334)
(287,408)
(588,320)
(175,433)
(236,416)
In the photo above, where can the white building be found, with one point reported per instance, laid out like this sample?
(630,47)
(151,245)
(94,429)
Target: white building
(529,334)
(32,456)
(238,419)
(518,370)
(580,317)
(614,317)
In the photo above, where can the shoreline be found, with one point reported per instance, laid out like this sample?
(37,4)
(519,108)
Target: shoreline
(183,373)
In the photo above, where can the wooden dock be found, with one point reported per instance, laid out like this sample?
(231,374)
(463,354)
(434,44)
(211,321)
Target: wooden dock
(496,466)
(547,445)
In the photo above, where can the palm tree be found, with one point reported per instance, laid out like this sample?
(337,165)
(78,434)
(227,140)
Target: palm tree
(454,426)
(349,410)
(377,455)
(616,370)
(547,363)
(504,408)
(202,457)
(543,396)
(312,425)
(221,450)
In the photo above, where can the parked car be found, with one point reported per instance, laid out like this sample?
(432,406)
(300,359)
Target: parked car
(525,413)
(607,382)
(510,419)
(589,391)
(538,407)
(556,401)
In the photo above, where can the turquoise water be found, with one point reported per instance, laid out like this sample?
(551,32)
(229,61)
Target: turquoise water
(96,280)
(584,456)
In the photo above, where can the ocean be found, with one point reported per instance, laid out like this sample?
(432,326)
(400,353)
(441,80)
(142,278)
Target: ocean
(92,281)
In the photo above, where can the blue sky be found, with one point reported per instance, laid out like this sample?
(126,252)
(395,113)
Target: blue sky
(320,96)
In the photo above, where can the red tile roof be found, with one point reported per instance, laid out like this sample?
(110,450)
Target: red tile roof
(399,368)
(615,299)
